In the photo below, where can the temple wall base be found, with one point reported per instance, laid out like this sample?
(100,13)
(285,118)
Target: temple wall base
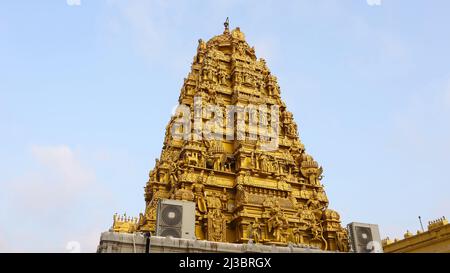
(115,242)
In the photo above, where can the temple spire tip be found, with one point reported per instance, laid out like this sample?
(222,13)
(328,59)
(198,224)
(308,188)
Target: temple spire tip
(227,24)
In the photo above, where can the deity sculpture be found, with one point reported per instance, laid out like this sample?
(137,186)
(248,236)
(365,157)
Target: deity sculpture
(255,231)
(198,189)
(216,226)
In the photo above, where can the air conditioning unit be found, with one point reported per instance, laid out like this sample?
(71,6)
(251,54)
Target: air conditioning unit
(176,219)
(365,238)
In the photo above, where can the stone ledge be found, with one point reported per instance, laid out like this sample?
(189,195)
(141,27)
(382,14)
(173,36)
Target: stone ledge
(114,242)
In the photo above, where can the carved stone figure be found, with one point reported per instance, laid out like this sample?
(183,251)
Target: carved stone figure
(277,222)
(216,226)
(224,199)
(198,189)
(214,201)
(276,226)
(255,231)
(184,194)
(241,196)
(314,204)
(264,163)
(297,234)
(342,240)
(282,184)
(211,178)
(293,200)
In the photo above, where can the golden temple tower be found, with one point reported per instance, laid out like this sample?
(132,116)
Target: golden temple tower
(233,149)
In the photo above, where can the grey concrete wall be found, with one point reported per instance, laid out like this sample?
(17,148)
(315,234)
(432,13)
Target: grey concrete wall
(113,242)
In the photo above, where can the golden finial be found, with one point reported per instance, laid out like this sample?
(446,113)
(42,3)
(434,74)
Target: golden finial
(227,24)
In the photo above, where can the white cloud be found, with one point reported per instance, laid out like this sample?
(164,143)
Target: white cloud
(373,2)
(73,2)
(58,198)
(87,239)
(62,159)
(59,180)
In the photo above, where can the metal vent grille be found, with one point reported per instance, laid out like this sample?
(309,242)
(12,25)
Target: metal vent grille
(363,238)
(173,232)
(171,215)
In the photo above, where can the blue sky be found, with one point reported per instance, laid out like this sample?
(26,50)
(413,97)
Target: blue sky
(86,91)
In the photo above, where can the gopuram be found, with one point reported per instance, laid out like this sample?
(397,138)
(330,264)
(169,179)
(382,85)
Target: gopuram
(233,148)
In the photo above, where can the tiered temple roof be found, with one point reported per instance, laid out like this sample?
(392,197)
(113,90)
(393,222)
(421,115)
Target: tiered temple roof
(243,190)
